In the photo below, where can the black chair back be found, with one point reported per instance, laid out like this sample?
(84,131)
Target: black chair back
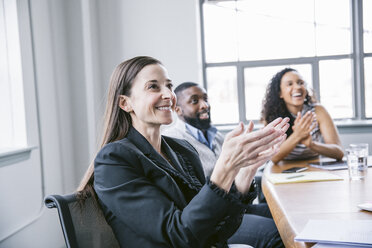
(83,225)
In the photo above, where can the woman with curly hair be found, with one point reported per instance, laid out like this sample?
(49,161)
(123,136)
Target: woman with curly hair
(312,130)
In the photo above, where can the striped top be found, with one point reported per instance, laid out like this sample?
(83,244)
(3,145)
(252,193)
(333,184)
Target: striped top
(301,151)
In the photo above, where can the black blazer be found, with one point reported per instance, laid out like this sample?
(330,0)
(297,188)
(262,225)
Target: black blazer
(149,202)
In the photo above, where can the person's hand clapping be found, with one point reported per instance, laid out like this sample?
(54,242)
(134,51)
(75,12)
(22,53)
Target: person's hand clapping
(302,127)
(245,175)
(246,148)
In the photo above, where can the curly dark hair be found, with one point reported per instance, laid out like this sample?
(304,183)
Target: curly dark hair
(273,106)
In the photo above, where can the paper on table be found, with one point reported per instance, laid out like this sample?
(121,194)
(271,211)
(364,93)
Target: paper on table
(331,164)
(310,176)
(334,165)
(322,245)
(347,232)
(366,206)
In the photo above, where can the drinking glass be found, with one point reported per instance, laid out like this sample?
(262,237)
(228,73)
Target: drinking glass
(357,155)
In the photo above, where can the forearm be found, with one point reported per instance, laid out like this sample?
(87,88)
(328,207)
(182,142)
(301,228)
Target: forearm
(288,145)
(329,150)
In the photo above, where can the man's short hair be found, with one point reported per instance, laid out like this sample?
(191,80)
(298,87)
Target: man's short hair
(183,87)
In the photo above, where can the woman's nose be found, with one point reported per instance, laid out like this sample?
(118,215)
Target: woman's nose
(166,93)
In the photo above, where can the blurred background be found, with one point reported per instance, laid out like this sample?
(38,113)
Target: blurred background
(56,58)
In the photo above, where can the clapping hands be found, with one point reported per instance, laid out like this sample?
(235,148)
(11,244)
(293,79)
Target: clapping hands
(302,127)
(248,149)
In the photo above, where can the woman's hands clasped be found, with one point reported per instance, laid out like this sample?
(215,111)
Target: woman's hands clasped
(303,125)
(244,151)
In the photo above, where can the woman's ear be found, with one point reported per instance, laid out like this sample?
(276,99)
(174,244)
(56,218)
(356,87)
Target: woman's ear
(124,103)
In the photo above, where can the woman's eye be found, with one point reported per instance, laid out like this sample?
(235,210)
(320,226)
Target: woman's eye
(153,86)
(170,86)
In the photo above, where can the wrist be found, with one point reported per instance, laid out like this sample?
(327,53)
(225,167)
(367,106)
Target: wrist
(223,176)
(295,138)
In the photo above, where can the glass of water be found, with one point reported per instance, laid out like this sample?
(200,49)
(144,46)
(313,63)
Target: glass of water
(357,155)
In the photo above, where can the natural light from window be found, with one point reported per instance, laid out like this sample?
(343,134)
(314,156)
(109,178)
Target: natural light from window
(368,86)
(367,25)
(260,38)
(336,87)
(12,111)
(269,29)
(222,95)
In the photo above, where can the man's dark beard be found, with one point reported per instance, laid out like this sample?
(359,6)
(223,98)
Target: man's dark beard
(203,125)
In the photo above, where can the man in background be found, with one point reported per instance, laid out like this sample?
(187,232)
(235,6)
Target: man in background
(194,125)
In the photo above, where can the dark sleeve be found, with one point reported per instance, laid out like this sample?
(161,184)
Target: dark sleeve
(232,221)
(141,205)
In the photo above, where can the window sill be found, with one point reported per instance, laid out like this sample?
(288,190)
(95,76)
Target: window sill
(347,123)
(353,123)
(14,155)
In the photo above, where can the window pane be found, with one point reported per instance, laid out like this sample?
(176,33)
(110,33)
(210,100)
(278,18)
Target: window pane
(367,25)
(368,86)
(220,32)
(222,95)
(333,34)
(6,128)
(12,112)
(270,29)
(256,80)
(336,87)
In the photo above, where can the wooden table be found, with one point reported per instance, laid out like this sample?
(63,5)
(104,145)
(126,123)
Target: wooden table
(292,205)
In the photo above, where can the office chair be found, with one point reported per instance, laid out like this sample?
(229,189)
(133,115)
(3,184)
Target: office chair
(83,225)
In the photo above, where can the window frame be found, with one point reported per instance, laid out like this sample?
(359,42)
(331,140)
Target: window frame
(17,153)
(357,57)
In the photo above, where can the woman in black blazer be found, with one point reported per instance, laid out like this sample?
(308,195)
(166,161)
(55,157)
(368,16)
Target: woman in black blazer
(151,188)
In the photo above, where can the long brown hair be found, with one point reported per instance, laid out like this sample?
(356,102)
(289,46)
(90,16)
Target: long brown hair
(116,121)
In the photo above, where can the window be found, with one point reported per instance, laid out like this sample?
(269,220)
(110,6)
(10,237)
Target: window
(246,42)
(367,26)
(224,100)
(12,111)
(367,33)
(368,86)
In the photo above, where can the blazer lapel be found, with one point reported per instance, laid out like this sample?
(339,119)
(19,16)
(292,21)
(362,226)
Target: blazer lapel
(177,171)
(167,183)
(148,150)
(172,156)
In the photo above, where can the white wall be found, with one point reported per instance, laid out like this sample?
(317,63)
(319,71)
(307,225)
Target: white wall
(165,29)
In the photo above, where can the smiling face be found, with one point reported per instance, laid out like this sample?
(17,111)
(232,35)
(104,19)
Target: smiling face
(151,100)
(293,91)
(193,107)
